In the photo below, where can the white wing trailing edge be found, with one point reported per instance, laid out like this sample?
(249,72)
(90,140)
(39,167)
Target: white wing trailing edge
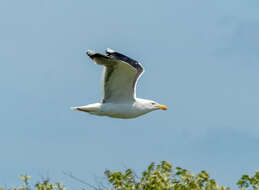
(120,75)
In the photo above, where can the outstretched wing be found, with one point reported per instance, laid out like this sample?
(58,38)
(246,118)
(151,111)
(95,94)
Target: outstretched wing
(120,75)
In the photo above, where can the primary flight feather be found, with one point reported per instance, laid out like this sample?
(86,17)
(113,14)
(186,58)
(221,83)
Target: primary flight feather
(119,81)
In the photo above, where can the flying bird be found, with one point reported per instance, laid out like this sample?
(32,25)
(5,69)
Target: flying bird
(119,80)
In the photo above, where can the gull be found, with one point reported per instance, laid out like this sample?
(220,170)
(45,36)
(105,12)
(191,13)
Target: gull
(119,80)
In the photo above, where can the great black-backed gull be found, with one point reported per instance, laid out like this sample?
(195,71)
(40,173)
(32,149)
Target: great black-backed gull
(120,77)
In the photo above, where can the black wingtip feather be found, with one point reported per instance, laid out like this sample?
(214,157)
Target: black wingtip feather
(121,57)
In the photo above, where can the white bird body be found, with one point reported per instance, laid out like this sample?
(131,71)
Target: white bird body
(125,110)
(120,76)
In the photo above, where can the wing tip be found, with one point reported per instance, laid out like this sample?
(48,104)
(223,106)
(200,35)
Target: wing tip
(109,51)
(90,53)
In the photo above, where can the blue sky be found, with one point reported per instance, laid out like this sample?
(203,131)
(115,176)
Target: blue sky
(201,60)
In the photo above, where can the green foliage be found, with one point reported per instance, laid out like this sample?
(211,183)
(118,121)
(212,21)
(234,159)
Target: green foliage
(162,177)
(44,185)
(247,181)
(156,177)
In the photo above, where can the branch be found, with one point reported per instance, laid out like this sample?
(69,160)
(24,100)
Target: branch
(79,180)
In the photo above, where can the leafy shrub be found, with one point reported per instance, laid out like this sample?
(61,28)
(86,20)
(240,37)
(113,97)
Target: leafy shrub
(156,177)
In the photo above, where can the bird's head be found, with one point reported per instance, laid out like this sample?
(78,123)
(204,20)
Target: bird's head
(155,106)
(151,105)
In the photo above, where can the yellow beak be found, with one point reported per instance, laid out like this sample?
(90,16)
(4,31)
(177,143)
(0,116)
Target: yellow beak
(162,107)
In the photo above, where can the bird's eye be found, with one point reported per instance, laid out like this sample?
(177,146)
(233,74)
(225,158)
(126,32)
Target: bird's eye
(153,103)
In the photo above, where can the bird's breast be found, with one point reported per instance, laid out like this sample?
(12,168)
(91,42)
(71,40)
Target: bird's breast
(121,110)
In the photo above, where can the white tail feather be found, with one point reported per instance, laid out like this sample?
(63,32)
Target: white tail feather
(74,108)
